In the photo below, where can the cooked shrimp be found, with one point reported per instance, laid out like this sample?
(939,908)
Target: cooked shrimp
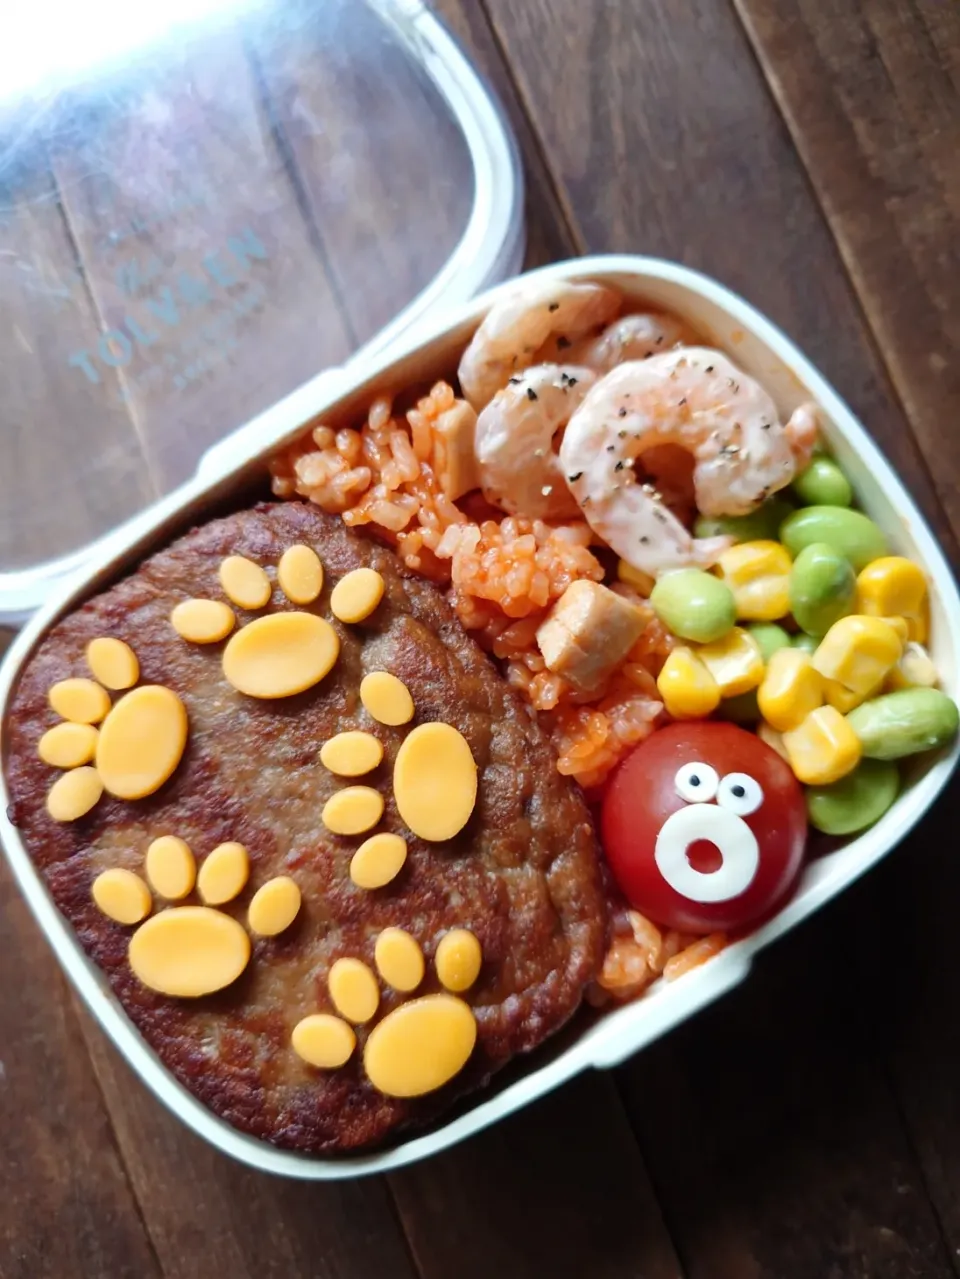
(514,331)
(632,337)
(695,398)
(519,470)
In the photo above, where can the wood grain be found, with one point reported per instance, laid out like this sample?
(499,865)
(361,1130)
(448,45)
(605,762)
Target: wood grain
(871,94)
(558,1190)
(209,1215)
(685,156)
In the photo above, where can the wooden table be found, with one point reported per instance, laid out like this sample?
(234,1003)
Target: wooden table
(807,153)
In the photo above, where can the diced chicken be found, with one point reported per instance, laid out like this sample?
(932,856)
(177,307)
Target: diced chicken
(454,458)
(588,633)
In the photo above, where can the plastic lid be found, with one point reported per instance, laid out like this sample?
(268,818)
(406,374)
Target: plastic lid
(203,203)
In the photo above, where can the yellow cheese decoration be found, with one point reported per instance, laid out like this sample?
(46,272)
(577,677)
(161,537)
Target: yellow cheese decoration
(112,662)
(121,895)
(386,698)
(244,582)
(223,874)
(420,1046)
(171,867)
(189,951)
(141,741)
(324,1041)
(458,960)
(399,959)
(351,754)
(203,621)
(279,655)
(274,907)
(300,574)
(68,745)
(356,596)
(74,794)
(79,700)
(353,989)
(435,781)
(352,810)
(378,860)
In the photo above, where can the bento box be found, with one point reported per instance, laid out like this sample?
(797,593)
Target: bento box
(229,472)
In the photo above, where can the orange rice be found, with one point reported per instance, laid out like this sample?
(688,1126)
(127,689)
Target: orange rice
(503,574)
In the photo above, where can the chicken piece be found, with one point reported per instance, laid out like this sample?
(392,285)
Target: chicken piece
(454,459)
(588,633)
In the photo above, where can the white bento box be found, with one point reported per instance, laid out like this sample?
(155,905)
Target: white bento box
(761,350)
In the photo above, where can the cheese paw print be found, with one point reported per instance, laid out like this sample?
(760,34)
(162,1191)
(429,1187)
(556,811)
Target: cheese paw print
(192,950)
(420,1045)
(127,748)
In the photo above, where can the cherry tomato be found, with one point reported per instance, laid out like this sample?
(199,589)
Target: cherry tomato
(704,827)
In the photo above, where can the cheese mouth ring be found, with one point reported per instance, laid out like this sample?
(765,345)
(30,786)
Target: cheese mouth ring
(732,836)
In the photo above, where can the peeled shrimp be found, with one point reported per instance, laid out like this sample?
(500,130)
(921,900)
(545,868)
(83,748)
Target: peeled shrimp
(632,337)
(519,470)
(514,332)
(695,398)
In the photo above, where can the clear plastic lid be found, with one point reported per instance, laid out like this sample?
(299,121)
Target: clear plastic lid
(204,203)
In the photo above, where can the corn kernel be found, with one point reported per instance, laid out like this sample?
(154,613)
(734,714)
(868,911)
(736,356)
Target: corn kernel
(641,582)
(790,689)
(858,651)
(758,573)
(735,662)
(841,699)
(823,748)
(894,586)
(688,689)
(773,739)
(914,669)
(900,625)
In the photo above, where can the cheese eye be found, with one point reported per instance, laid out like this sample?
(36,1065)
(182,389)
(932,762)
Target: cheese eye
(697,782)
(740,793)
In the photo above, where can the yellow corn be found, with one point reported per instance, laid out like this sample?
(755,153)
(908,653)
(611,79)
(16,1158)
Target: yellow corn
(914,670)
(823,748)
(641,582)
(841,699)
(895,587)
(901,626)
(773,739)
(758,573)
(735,662)
(858,651)
(790,689)
(688,689)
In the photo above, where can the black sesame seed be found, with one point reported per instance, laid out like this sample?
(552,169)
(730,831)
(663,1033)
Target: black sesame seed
(611,447)
(573,478)
(644,540)
(531,393)
(682,402)
(515,381)
(563,343)
(765,426)
(621,435)
(659,339)
(621,412)
(620,465)
(571,381)
(709,368)
(554,306)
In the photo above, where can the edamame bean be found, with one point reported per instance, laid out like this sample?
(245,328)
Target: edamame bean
(823,588)
(694,605)
(850,533)
(856,801)
(806,643)
(760,525)
(822,483)
(904,723)
(769,637)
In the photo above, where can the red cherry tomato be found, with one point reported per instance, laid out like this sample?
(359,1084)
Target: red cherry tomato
(704,827)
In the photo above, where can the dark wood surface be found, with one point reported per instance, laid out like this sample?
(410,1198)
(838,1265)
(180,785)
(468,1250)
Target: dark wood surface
(805,153)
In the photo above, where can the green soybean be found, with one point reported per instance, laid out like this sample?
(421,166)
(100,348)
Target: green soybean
(763,524)
(905,723)
(823,588)
(694,605)
(806,643)
(822,483)
(856,801)
(769,637)
(850,533)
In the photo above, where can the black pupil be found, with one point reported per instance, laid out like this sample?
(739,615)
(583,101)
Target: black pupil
(694,780)
(738,791)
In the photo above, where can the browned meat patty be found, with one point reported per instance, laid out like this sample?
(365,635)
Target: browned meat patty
(523,874)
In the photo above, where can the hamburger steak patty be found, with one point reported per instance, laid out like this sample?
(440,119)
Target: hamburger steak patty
(523,874)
